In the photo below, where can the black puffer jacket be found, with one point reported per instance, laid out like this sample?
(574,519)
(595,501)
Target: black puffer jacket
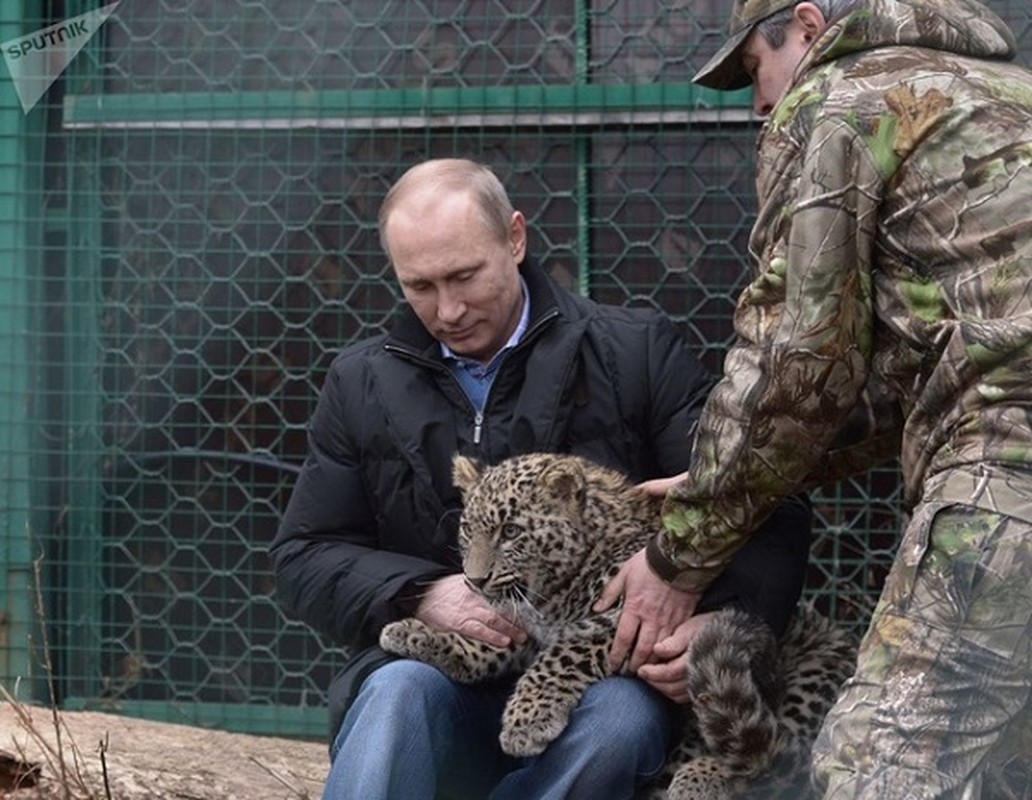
(373,516)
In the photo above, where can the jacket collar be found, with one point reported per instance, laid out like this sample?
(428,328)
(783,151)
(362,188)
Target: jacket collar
(962,27)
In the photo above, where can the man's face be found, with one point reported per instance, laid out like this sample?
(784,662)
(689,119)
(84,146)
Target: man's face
(461,280)
(772,70)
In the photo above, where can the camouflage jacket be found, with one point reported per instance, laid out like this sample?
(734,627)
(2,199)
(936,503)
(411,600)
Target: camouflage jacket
(890,306)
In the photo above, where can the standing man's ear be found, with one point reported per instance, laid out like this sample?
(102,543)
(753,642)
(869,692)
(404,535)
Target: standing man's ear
(810,19)
(518,236)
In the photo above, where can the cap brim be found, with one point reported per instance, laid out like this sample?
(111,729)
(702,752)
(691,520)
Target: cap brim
(725,71)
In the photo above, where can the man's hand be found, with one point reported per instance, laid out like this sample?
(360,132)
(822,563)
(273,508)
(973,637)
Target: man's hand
(667,672)
(451,605)
(658,487)
(652,611)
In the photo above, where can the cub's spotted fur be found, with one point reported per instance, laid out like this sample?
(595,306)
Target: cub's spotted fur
(540,535)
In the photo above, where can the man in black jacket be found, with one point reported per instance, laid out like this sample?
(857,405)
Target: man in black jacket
(489,358)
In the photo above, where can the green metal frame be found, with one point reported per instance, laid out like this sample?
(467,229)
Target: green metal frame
(20,151)
(290,721)
(86,115)
(78,578)
(444,106)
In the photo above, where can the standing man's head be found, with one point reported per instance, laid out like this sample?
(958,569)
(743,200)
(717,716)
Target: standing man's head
(767,40)
(456,244)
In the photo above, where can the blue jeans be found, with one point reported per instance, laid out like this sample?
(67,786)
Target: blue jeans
(414,734)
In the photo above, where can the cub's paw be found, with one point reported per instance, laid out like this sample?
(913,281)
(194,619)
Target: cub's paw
(407,637)
(703,777)
(529,733)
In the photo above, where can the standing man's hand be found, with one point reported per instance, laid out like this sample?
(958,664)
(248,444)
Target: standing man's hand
(450,605)
(668,670)
(658,487)
(652,611)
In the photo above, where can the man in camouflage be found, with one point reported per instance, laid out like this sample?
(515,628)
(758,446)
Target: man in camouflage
(889,313)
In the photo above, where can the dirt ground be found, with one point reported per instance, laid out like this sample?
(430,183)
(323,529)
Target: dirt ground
(139,759)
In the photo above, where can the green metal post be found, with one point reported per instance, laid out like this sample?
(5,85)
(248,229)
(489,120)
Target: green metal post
(583,153)
(19,262)
(82,385)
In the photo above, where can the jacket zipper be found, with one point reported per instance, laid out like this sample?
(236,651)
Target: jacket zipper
(478,416)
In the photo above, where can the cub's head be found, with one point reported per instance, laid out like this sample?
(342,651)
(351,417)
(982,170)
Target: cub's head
(523,530)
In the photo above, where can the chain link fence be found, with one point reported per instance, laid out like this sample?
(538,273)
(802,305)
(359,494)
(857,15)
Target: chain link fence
(191,223)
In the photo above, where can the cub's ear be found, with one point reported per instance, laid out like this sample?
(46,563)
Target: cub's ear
(465,472)
(566,482)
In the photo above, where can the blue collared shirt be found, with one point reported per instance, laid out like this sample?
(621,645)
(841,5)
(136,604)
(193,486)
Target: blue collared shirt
(476,378)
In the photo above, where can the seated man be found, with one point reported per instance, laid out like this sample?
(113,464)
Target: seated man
(490,358)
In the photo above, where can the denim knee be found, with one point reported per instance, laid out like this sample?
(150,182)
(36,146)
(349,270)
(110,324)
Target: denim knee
(628,720)
(399,691)
(407,680)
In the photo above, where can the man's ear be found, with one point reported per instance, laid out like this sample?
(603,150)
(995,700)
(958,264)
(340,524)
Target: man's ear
(810,20)
(518,236)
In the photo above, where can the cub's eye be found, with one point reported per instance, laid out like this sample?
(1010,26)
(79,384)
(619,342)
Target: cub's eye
(510,530)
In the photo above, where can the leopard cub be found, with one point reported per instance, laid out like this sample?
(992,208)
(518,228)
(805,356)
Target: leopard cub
(540,535)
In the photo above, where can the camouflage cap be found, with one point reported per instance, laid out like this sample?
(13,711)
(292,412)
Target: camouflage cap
(724,70)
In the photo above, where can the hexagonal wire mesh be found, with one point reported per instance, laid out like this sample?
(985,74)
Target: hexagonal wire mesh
(212,180)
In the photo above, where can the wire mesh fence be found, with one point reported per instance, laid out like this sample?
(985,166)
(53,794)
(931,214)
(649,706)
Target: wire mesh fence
(190,237)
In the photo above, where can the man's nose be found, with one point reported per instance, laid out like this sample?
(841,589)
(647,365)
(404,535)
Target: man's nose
(450,306)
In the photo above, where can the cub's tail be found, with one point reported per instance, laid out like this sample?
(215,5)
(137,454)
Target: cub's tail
(758,705)
(736,683)
(817,656)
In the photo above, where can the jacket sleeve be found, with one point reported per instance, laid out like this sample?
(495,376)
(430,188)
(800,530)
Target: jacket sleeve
(677,387)
(330,571)
(765,577)
(799,365)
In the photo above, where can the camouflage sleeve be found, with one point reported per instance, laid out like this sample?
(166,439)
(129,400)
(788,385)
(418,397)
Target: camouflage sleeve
(800,363)
(871,436)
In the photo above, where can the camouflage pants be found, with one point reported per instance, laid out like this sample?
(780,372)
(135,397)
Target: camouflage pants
(944,677)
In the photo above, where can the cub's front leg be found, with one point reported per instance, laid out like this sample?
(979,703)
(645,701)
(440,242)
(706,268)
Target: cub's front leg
(539,708)
(460,658)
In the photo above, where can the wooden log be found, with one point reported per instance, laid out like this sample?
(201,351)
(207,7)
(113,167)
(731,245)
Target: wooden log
(97,756)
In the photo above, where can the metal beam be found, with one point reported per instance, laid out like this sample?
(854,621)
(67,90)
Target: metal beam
(564,106)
